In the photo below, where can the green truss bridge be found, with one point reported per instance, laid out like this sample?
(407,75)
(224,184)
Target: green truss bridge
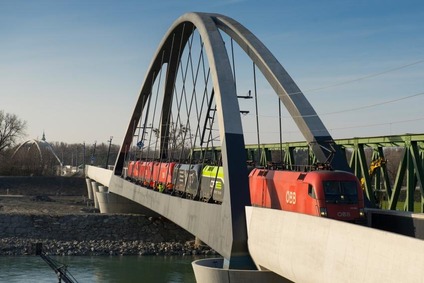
(390,167)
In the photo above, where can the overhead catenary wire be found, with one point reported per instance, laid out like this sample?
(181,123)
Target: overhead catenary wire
(349,127)
(359,78)
(373,105)
(379,124)
(352,109)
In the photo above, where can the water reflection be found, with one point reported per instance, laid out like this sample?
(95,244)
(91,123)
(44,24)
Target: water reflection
(171,269)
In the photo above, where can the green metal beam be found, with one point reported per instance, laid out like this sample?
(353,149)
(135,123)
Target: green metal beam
(410,170)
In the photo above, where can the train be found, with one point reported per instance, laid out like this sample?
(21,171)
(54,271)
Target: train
(323,192)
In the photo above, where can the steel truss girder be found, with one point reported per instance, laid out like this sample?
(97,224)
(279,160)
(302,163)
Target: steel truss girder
(411,165)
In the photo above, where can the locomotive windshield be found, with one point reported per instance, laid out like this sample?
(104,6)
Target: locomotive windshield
(340,192)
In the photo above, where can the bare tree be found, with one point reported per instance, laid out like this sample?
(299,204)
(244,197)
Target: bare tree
(178,140)
(11,129)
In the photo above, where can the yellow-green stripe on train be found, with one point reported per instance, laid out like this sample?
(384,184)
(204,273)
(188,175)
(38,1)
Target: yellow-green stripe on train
(212,186)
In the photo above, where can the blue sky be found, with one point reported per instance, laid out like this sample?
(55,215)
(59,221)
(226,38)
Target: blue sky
(74,68)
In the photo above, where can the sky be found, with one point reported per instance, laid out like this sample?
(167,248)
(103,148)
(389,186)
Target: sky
(73,69)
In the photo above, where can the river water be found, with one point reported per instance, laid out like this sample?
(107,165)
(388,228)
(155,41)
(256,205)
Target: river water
(126,269)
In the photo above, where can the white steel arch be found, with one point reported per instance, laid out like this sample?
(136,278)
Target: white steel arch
(227,233)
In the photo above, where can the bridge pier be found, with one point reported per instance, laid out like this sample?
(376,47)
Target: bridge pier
(95,187)
(211,271)
(89,188)
(109,202)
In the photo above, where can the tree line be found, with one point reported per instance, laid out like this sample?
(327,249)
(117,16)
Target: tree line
(38,159)
(33,160)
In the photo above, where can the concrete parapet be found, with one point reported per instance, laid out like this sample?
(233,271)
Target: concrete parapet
(210,271)
(89,188)
(313,249)
(98,174)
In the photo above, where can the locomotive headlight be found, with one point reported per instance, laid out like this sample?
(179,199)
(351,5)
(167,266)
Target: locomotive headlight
(361,212)
(323,211)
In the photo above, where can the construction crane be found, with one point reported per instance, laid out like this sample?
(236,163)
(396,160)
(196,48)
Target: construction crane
(59,268)
(375,164)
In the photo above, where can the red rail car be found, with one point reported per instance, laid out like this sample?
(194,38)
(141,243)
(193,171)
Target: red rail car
(146,173)
(130,170)
(133,172)
(136,170)
(332,194)
(142,172)
(162,175)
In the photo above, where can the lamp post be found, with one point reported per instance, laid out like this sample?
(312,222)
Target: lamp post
(93,155)
(108,151)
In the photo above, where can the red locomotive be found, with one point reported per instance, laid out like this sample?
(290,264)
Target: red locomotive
(332,194)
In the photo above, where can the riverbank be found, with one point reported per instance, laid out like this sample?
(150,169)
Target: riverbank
(95,234)
(62,218)
(14,246)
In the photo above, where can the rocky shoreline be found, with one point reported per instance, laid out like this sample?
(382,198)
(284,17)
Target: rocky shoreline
(14,246)
(54,212)
(95,235)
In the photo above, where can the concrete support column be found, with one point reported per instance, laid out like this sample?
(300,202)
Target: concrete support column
(103,189)
(89,188)
(112,203)
(95,188)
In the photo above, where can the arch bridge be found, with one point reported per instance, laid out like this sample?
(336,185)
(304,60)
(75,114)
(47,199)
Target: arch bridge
(195,95)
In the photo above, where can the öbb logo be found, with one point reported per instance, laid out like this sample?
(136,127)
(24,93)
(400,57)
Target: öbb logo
(291,197)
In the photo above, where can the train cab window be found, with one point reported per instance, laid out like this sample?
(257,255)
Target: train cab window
(311,192)
(340,191)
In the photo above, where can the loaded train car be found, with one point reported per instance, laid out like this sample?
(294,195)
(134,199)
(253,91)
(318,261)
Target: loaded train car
(186,179)
(130,170)
(212,184)
(189,178)
(333,194)
(162,176)
(157,175)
